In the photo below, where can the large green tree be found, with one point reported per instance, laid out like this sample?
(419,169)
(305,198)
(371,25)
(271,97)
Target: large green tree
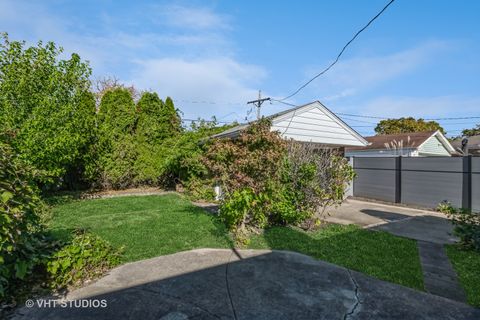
(472,132)
(46,108)
(406,125)
(116,147)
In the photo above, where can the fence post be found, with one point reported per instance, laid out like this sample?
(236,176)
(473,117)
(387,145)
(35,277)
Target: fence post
(398,179)
(467,183)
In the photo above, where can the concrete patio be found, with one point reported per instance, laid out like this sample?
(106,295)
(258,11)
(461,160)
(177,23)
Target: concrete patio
(247,284)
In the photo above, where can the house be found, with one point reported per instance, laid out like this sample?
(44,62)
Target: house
(414,144)
(473,145)
(312,122)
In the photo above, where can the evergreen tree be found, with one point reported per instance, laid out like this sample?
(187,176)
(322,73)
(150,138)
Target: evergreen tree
(150,126)
(116,149)
(170,119)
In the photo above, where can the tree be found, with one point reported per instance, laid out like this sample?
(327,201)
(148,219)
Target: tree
(472,132)
(46,108)
(116,147)
(170,118)
(406,125)
(105,84)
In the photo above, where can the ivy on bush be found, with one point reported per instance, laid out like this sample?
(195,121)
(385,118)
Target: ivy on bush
(87,256)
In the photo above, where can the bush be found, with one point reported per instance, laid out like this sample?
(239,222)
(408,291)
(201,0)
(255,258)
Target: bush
(466,225)
(269,181)
(20,227)
(86,257)
(46,110)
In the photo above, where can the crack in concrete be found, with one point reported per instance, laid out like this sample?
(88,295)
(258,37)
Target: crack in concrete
(357,298)
(228,286)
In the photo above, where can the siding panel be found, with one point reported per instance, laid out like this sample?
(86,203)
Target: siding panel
(315,126)
(433,146)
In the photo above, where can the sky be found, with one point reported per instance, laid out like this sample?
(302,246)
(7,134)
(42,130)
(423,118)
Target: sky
(420,58)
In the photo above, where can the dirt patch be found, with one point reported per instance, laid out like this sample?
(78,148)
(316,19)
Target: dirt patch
(126,192)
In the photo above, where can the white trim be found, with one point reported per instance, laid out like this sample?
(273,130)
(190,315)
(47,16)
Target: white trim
(442,139)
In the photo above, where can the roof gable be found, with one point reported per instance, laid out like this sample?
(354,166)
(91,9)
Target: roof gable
(409,140)
(314,122)
(311,122)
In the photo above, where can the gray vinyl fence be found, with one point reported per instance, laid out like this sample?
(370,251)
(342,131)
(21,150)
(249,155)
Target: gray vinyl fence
(419,181)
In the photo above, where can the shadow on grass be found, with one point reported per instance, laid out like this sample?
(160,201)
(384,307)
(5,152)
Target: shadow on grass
(378,254)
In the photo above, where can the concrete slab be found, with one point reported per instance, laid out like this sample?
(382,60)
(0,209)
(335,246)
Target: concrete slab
(246,284)
(401,221)
(438,273)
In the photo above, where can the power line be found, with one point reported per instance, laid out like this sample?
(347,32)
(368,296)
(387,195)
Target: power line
(345,115)
(341,52)
(385,118)
(208,121)
(208,102)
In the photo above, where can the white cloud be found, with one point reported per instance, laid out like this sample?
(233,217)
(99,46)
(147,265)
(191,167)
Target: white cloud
(183,52)
(190,17)
(210,79)
(349,77)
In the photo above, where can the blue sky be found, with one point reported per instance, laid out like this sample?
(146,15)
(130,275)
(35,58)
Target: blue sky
(420,58)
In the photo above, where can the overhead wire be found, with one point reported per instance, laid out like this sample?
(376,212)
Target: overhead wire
(341,52)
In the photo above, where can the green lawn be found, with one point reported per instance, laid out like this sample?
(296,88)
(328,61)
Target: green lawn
(148,226)
(467,266)
(378,254)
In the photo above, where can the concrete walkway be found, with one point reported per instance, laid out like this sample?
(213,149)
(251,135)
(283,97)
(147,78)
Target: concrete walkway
(438,274)
(245,284)
(431,230)
(411,223)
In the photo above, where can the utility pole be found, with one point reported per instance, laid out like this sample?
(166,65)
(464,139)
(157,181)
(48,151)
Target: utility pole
(258,103)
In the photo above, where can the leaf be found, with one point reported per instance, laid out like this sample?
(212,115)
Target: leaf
(6,195)
(21,269)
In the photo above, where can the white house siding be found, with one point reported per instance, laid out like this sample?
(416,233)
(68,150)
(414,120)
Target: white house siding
(433,147)
(314,125)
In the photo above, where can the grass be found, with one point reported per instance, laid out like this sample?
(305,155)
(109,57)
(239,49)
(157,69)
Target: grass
(149,226)
(467,265)
(377,254)
(146,226)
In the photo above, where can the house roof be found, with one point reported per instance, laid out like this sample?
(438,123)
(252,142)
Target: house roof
(289,114)
(473,142)
(409,140)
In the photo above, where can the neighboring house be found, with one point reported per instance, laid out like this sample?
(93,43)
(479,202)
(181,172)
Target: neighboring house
(312,122)
(414,144)
(473,145)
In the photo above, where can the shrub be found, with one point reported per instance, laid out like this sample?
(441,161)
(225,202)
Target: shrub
(116,150)
(20,227)
(314,178)
(269,181)
(46,109)
(249,161)
(466,225)
(86,257)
